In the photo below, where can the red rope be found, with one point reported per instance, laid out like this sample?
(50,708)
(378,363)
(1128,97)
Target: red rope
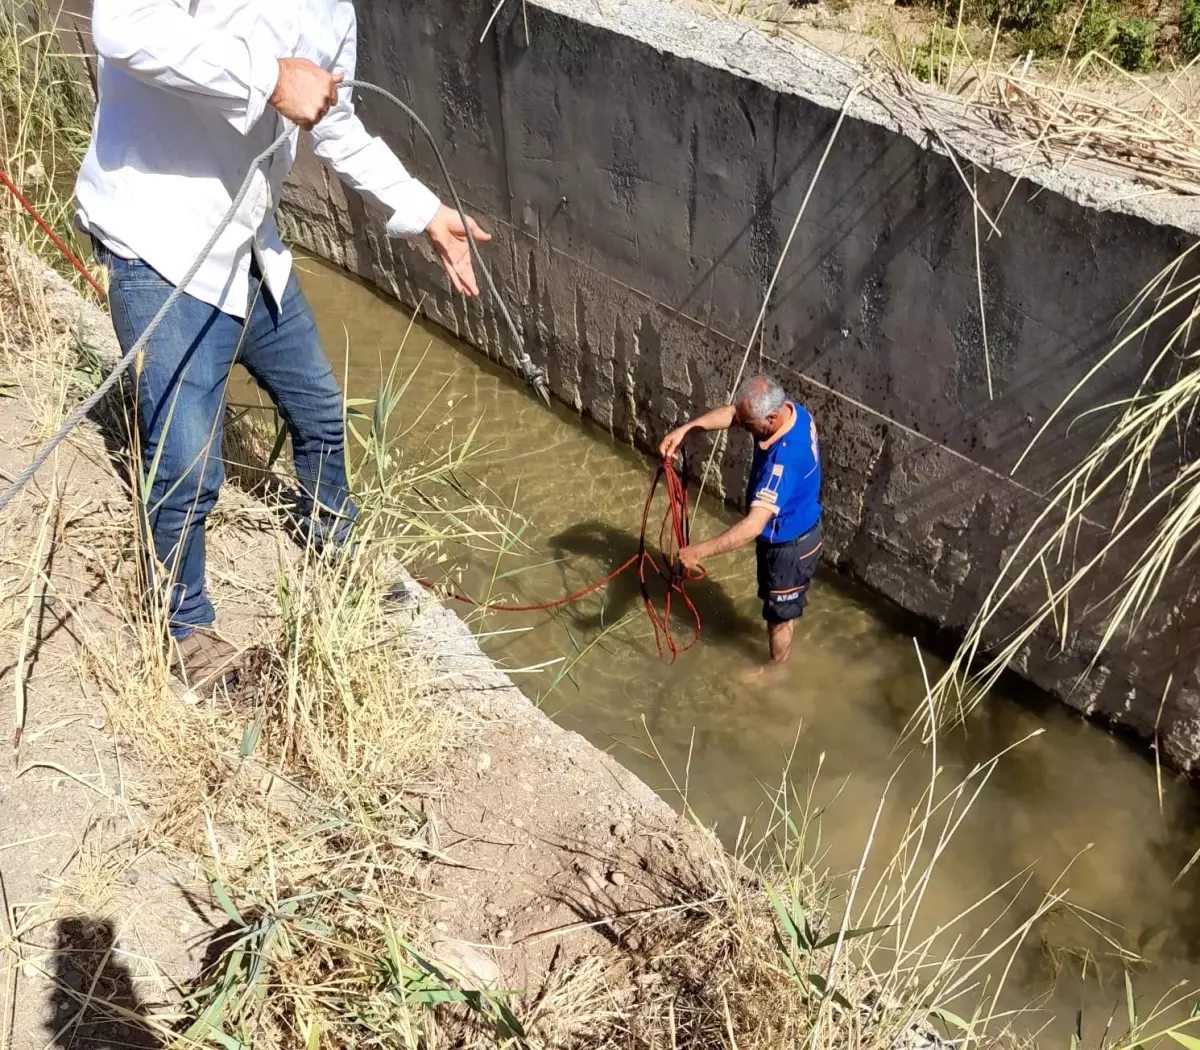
(672,536)
(672,532)
(49,232)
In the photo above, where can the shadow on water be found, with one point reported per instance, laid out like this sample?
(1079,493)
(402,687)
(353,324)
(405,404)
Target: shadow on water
(607,546)
(94,1003)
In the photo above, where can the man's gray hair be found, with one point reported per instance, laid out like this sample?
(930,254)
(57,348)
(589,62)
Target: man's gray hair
(762,396)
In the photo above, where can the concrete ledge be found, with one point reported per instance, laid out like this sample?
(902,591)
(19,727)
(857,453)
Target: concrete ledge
(789,68)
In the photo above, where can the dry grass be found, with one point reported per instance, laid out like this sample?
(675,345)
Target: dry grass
(1144,129)
(45,124)
(290,800)
(1141,468)
(948,80)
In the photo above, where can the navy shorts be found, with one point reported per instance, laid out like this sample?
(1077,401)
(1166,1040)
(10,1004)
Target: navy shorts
(784,573)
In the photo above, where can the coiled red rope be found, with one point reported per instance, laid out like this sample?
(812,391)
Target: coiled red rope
(673,535)
(673,531)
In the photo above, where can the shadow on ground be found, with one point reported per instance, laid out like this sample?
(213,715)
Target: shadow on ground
(94,1004)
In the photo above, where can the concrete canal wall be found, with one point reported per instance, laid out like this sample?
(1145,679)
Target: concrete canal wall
(641,165)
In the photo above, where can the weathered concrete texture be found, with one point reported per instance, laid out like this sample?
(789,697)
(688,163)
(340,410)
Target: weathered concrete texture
(641,167)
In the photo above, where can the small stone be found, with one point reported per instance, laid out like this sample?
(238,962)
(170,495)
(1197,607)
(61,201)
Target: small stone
(617,878)
(30,972)
(35,174)
(483,763)
(472,967)
(592,884)
(518,822)
(131,877)
(495,911)
(184,929)
(506,934)
(537,741)
(527,787)
(621,831)
(441,927)
(547,909)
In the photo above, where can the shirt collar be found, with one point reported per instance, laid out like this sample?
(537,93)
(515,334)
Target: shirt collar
(791,422)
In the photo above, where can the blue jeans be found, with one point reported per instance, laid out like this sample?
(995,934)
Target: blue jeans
(181,394)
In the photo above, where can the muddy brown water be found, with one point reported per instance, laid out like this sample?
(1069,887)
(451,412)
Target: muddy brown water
(1071,798)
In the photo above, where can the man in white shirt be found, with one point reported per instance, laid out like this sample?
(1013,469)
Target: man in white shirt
(189,94)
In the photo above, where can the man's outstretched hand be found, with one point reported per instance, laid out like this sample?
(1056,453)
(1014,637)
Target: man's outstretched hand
(446,234)
(304,91)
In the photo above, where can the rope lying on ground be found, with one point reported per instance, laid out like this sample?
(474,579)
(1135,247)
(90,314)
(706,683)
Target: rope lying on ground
(673,534)
(525,365)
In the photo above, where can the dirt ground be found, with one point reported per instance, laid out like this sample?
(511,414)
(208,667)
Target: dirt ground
(540,843)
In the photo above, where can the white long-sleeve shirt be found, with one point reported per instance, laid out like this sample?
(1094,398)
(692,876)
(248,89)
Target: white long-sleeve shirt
(182,113)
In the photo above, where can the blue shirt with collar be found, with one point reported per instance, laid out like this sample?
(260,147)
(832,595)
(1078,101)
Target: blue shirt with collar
(785,477)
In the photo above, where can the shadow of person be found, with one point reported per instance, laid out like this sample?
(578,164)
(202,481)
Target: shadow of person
(606,547)
(94,1002)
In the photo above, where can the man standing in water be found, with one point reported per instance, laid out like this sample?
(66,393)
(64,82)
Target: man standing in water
(190,93)
(783,509)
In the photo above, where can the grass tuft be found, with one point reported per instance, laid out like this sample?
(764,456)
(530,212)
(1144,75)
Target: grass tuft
(45,123)
(1189,28)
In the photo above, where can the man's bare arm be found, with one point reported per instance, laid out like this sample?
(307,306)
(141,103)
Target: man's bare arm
(736,536)
(720,418)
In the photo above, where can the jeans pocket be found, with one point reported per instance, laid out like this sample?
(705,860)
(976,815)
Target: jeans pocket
(128,274)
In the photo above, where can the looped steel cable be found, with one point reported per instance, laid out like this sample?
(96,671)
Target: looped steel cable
(534,375)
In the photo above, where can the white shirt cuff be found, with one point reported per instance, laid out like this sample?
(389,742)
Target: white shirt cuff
(417,213)
(264,76)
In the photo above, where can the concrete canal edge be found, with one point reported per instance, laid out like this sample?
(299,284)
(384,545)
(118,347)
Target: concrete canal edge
(641,165)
